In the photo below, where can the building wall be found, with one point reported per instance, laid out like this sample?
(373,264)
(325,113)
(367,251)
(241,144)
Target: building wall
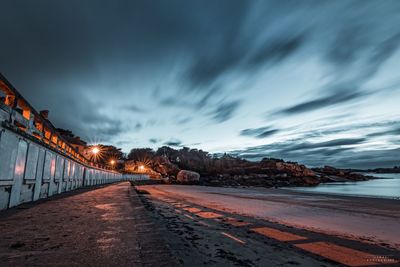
(29,171)
(35,160)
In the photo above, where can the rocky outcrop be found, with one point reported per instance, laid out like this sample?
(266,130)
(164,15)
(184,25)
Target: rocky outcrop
(163,166)
(290,169)
(395,169)
(187,165)
(266,173)
(262,180)
(188,177)
(331,174)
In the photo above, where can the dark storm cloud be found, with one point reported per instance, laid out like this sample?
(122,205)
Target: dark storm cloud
(379,55)
(173,142)
(391,131)
(201,102)
(87,60)
(207,70)
(104,127)
(259,132)
(267,133)
(223,49)
(225,111)
(331,143)
(183,121)
(369,159)
(357,41)
(205,99)
(106,131)
(153,140)
(277,50)
(123,142)
(332,152)
(314,154)
(335,98)
(84,117)
(356,56)
(340,152)
(347,45)
(171,101)
(198,101)
(299,145)
(84,43)
(79,38)
(70,48)
(388,127)
(342,158)
(236,53)
(135,109)
(138,126)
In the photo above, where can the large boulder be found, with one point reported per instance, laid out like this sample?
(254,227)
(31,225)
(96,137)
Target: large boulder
(185,176)
(163,166)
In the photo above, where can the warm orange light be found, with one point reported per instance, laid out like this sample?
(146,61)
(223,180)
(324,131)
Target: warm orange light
(141,168)
(95,150)
(112,162)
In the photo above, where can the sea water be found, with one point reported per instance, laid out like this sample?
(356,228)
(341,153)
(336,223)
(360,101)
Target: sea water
(387,185)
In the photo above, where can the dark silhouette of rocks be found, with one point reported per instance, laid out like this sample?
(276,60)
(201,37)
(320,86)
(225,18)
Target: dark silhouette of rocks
(395,169)
(331,174)
(226,170)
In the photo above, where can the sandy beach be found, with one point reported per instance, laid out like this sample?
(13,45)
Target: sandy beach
(305,229)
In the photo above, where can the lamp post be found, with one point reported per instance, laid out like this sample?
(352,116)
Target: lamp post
(112,163)
(141,168)
(95,151)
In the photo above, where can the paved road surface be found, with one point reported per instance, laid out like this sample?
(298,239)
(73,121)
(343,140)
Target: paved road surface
(107,226)
(266,227)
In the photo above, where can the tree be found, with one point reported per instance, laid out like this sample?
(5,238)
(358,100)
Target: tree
(107,153)
(144,155)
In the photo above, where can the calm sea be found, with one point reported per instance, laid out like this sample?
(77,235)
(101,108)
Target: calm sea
(387,186)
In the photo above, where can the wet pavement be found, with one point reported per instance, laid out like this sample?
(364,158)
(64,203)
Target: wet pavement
(107,226)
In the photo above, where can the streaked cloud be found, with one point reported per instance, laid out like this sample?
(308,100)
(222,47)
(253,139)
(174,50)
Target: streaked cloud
(173,143)
(259,132)
(152,73)
(225,110)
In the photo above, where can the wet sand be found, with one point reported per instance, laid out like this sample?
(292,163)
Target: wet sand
(273,227)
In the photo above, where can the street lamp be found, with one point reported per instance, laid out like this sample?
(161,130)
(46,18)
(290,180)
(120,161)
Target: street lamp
(112,163)
(141,168)
(95,153)
(95,150)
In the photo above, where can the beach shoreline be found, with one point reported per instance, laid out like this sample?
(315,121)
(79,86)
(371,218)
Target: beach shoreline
(375,220)
(224,226)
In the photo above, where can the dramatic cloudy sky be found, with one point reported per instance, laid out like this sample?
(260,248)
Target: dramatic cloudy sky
(311,81)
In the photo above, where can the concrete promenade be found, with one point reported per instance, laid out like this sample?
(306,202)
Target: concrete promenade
(107,226)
